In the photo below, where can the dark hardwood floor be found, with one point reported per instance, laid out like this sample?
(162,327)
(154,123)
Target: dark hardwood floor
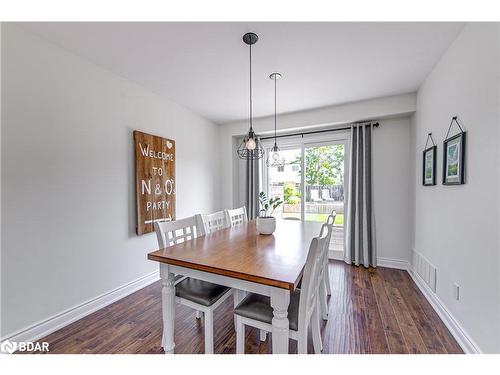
(370,311)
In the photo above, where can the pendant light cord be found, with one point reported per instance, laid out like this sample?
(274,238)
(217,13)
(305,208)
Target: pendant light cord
(251,104)
(275,79)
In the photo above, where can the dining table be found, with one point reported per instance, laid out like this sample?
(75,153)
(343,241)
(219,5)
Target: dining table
(240,258)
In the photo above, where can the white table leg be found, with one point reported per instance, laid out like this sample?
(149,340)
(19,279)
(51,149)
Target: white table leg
(280,299)
(240,336)
(168,308)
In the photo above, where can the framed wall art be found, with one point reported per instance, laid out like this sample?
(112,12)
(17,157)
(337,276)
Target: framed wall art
(454,156)
(429,163)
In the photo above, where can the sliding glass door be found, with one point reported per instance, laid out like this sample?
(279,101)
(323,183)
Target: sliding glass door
(324,187)
(312,181)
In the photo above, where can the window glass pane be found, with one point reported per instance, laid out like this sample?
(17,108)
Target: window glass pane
(324,179)
(285,182)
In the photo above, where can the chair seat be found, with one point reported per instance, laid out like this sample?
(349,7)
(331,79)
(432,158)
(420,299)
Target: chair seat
(199,291)
(258,307)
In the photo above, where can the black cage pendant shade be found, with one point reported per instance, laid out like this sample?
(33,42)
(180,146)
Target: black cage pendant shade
(275,159)
(250,148)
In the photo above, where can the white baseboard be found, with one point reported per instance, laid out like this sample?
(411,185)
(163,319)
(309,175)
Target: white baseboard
(381,261)
(58,321)
(464,340)
(336,255)
(393,263)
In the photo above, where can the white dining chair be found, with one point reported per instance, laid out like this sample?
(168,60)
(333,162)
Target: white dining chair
(333,214)
(214,222)
(324,275)
(236,216)
(256,311)
(197,294)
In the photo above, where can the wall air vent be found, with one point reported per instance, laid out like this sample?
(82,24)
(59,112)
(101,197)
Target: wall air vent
(425,269)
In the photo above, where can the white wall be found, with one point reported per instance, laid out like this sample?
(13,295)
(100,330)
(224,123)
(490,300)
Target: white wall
(68,177)
(456,227)
(391,160)
(391,196)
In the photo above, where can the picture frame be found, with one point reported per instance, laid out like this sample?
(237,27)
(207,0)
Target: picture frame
(429,166)
(454,159)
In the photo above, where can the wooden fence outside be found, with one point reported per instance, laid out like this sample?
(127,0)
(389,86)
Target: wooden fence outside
(315,207)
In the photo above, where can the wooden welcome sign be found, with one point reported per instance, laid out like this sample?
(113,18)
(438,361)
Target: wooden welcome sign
(154,180)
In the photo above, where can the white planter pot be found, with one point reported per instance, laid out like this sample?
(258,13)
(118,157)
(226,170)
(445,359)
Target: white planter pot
(266,225)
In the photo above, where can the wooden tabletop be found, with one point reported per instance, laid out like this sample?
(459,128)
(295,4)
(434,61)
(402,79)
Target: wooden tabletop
(276,260)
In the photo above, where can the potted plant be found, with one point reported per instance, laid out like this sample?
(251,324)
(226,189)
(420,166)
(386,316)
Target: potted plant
(266,222)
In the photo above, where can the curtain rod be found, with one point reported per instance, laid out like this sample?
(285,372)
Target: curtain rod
(313,132)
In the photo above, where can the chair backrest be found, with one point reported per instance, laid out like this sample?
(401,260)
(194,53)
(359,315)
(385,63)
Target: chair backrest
(333,215)
(236,216)
(328,226)
(170,233)
(214,222)
(311,279)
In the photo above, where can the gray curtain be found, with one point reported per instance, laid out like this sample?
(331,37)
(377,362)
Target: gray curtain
(252,188)
(360,223)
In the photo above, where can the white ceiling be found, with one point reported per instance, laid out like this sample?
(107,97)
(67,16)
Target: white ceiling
(204,66)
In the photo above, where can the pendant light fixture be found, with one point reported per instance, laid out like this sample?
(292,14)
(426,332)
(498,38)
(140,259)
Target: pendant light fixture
(275,159)
(250,148)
